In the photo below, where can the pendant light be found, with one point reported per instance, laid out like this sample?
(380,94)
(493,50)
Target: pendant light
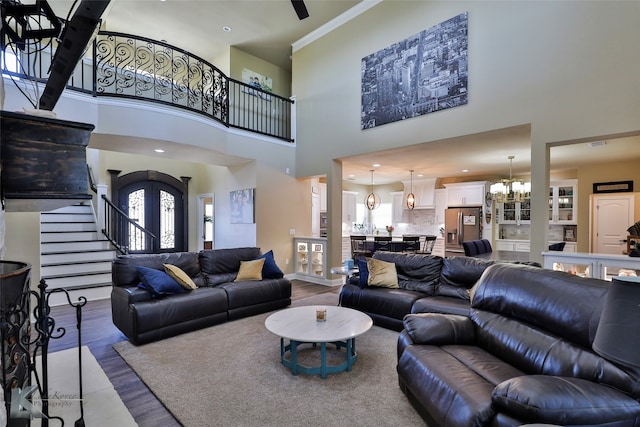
(372,200)
(411,198)
(508,190)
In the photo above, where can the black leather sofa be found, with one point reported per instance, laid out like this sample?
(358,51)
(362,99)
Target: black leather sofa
(427,283)
(217,298)
(522,355)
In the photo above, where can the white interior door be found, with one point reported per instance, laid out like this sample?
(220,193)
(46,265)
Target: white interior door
(206,217)
(612,215)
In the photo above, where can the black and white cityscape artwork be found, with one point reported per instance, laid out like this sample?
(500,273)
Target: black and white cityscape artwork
(421,74)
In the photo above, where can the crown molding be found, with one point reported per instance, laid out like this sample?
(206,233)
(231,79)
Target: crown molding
(347,16)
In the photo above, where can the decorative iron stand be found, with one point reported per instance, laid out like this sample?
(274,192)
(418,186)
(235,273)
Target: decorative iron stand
(37,342)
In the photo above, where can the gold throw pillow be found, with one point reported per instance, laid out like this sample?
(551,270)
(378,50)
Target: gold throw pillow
(250,270)
(382,273)
(179,276)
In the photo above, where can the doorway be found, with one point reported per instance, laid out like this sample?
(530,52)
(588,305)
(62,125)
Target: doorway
(206,221)
(157,202)
(611,216)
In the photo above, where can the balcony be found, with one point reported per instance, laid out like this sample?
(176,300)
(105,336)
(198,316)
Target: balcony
(127,66)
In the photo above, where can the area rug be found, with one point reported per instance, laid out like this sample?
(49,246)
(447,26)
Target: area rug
(231,375)
(102,404)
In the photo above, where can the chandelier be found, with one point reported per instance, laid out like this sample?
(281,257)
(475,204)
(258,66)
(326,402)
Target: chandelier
(372,200)
(510,190)
(411,198)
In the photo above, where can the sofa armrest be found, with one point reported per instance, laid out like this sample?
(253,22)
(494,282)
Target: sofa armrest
(439,329)
(563,400)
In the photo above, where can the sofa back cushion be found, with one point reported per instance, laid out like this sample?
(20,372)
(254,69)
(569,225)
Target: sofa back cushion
(543,322)
(124,273)
(415,272)
(459,274)
(225,261)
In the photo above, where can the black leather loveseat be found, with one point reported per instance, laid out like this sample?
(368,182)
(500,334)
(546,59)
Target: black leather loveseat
(217,297)
(523,355)
(426,283)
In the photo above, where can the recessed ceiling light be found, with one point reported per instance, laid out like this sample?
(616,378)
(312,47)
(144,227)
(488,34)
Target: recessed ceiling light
(420,175)
(159,150)
(376,165)
(465,170)
(226,29)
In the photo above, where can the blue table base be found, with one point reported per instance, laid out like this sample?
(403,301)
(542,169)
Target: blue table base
(323,369)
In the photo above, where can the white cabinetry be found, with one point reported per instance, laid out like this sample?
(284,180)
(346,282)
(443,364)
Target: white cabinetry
(423,190)
(466,193)
(563,202)
(348,209)
(323,196)
(513,245)
(441,205)
(515,212)
(399,213)
(310,257)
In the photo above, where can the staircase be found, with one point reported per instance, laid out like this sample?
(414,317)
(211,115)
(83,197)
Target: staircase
(74,255)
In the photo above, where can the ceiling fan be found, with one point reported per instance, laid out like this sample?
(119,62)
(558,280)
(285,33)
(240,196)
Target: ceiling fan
(300,8)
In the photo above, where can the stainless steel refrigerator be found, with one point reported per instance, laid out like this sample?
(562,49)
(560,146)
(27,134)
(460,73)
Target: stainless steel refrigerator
(461,224)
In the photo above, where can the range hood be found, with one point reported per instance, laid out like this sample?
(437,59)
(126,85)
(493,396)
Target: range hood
(424,190)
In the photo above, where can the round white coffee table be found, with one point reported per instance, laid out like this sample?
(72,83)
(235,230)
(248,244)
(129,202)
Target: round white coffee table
(299,326)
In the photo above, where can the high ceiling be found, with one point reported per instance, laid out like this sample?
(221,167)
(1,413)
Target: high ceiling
(263,28)
(267,28)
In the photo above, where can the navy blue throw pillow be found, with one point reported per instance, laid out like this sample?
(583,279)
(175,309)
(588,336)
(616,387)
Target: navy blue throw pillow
(363,273)
(270,269)
(158,282)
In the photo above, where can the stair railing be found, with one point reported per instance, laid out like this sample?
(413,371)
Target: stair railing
(123,232)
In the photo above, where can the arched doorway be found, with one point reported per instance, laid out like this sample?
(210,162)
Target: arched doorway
(159,203)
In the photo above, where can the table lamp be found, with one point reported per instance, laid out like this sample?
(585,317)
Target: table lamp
(618,336)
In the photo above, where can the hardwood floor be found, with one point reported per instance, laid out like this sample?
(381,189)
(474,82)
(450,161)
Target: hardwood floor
(99,334)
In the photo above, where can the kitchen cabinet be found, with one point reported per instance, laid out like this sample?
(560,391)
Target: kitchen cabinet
(399,211)
(441,205)
(563,202)
(323,196)
(348,209)
(513,245)
(515,212)
(310,258)
(466,193)
(423,190)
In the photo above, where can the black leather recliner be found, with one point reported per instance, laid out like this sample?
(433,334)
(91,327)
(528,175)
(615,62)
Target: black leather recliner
(523,355)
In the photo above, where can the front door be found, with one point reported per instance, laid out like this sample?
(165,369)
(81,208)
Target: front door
(612,215)
(158,207)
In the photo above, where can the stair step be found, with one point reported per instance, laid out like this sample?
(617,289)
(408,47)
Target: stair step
(47,227)
(72,209)
(72,281)
(57,247)
(65,217)
(87,268)
(76,257)
(75,236)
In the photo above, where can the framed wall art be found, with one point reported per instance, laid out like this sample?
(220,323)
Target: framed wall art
(421,74)
(242,206)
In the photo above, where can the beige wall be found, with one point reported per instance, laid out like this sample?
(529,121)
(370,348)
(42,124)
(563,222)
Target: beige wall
(556,78)
(281,77)
(603,172)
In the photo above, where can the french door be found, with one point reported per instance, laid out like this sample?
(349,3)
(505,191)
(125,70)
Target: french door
(157,207)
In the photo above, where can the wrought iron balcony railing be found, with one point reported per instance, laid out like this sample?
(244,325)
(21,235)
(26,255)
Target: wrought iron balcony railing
(127,66)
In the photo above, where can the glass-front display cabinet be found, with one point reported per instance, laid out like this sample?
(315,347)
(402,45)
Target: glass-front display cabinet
(563,202)
(310,256)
